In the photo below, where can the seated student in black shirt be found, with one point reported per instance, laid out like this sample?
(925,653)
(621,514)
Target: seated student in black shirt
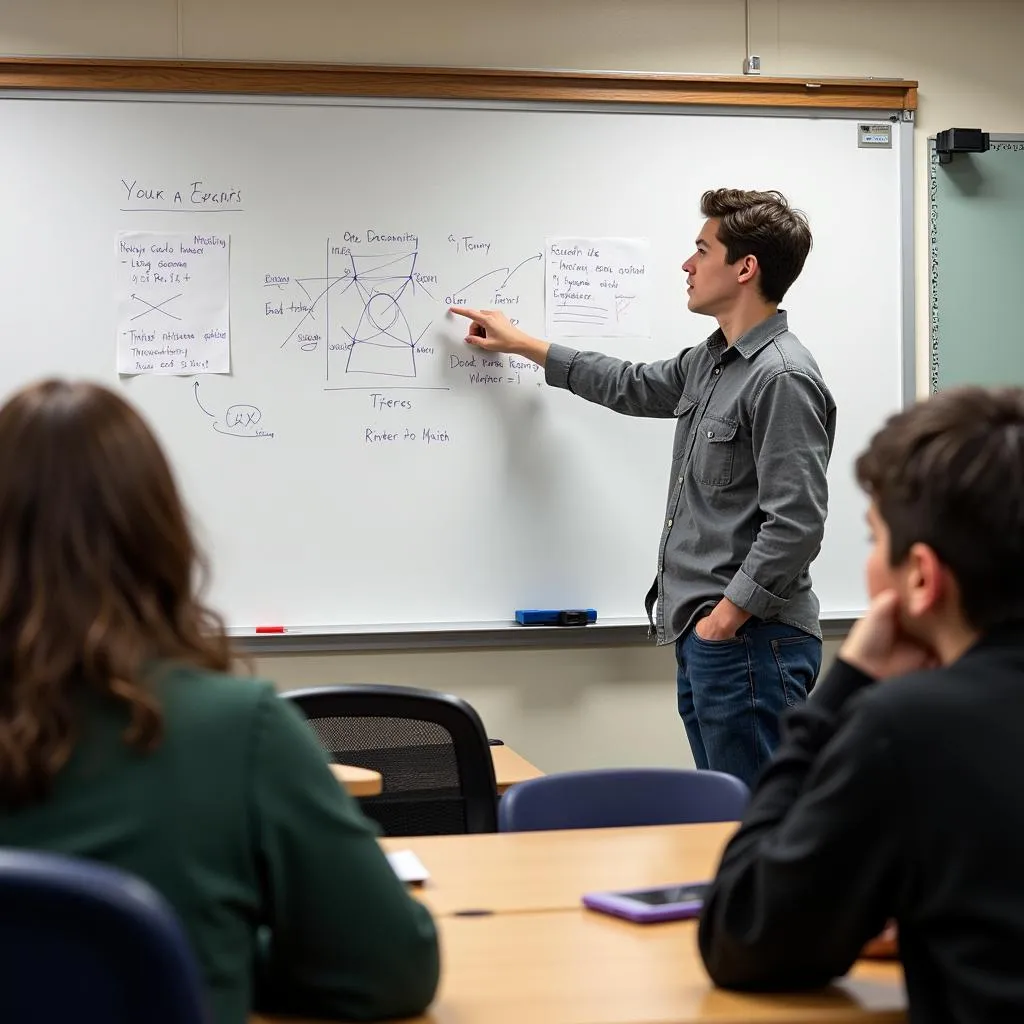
(896,793)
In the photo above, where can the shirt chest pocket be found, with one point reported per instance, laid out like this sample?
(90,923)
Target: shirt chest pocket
(685,412)
(714,451)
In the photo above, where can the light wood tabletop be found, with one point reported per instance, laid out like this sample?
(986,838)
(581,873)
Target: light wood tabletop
(358,781)
(509,768)
(536,955)
(518,871)
(583,966)
(577,965)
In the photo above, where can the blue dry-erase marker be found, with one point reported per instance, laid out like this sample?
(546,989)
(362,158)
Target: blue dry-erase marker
(555,616)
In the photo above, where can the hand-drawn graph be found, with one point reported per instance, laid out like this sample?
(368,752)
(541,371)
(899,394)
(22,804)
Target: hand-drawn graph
(369,314)
(368,304)
(382,341)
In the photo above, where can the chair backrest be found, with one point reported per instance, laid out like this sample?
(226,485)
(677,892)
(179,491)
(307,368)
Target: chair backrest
(85,942)
(614,797)
(430,748)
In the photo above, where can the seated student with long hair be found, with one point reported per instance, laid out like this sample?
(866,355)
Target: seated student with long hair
(896,792)
(125,739)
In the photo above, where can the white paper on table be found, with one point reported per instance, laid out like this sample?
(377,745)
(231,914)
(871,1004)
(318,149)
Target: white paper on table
(596,288)
(407,866)
(172,303)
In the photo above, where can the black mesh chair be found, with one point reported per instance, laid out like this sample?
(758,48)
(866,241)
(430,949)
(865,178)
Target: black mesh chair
(430,749)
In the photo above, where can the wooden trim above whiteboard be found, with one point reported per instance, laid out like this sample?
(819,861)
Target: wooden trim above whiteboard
(248,78)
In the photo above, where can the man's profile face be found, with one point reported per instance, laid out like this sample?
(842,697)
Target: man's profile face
(712,285)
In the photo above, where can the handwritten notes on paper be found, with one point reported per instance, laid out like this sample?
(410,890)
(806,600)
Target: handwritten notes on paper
(596,288)
(172,303)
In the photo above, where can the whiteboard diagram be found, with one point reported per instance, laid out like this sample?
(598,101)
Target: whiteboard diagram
(370,314)
(383,341)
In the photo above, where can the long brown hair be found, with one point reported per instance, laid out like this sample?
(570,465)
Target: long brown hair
(98,577)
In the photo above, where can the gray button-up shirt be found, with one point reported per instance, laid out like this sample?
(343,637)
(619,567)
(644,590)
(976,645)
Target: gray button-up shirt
(747,495)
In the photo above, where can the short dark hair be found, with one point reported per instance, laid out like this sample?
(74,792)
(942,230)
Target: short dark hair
(761,224)
(949,472)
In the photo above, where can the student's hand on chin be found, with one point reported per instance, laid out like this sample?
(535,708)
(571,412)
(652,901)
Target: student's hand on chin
(877,646)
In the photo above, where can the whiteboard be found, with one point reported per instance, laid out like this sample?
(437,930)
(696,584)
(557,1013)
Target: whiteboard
(410,488)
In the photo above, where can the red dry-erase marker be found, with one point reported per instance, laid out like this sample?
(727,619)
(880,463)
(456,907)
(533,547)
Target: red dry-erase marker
(270,629)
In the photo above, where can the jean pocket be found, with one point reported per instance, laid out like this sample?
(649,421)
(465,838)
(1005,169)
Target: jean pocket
(798,659)
(731,641)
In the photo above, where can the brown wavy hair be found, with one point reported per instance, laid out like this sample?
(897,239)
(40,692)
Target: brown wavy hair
(761,224)
(99,577)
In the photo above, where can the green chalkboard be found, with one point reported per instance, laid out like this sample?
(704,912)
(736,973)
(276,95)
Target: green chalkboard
(976,218)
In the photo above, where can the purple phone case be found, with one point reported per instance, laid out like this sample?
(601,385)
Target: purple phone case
(620,905)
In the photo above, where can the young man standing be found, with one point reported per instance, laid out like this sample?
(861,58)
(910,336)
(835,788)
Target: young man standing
(895,793)
(747,492)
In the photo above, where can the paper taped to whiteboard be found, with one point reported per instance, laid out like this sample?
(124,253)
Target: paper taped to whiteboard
(172,303)
(596,288)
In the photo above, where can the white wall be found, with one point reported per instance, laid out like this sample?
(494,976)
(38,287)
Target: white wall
(595,706)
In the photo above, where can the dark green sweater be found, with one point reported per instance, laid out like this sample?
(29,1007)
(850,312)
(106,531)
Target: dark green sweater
(277,877)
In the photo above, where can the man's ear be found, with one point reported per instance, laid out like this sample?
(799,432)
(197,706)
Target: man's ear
(747,267)
(926,581)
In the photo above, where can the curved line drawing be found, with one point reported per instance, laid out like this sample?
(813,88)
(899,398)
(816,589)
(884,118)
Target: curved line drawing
(240,419)
(195,391)
(382,342)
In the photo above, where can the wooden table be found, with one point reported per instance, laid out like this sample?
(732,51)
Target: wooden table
(556,967)
(535,871)
(509,768)
(580,966)
(358,781)
(540,957)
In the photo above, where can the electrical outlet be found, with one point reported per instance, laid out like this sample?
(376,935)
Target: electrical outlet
(752,65)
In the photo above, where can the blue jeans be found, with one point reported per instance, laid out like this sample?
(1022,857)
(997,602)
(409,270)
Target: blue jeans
(731,693)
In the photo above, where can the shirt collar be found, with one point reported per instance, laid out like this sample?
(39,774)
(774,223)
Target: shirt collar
(754,340)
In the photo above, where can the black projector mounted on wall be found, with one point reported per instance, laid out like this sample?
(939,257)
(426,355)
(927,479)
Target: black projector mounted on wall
(960,140)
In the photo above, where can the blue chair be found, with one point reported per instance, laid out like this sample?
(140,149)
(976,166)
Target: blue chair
(87,943)
(616,797)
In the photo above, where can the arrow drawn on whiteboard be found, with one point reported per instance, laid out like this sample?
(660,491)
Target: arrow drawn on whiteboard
(501,270)
(483,277)
(529,259)
(195,391)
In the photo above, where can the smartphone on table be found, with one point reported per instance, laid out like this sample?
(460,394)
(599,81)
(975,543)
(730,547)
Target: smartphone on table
(645,906)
